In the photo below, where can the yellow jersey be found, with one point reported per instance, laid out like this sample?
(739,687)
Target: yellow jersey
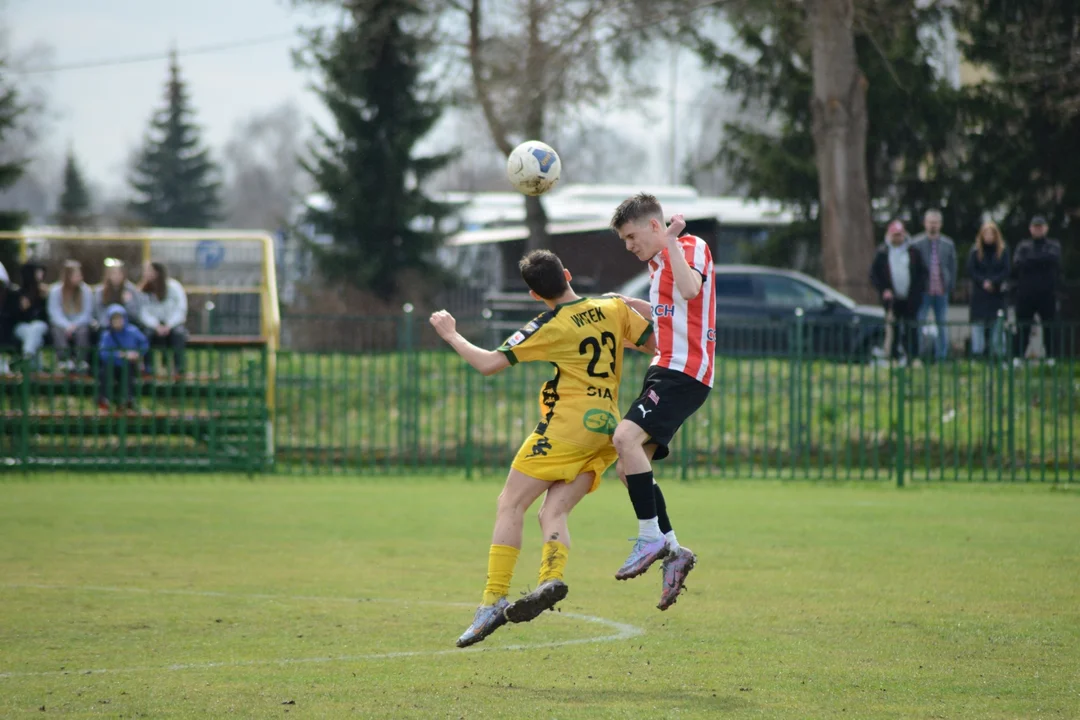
(583,339)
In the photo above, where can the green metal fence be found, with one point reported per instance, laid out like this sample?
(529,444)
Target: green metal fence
(796,399)
(213,418)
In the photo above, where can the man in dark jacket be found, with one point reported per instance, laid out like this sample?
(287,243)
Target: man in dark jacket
(1037,276)
(899,274)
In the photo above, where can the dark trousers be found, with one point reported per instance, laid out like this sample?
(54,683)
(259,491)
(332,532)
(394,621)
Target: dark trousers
(905,328)
(1027,307)
(117,382)
(176,340)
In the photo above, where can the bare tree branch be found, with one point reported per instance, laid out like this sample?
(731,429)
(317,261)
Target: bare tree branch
(479,74)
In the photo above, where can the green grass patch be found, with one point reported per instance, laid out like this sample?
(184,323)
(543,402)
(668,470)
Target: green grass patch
(208,597)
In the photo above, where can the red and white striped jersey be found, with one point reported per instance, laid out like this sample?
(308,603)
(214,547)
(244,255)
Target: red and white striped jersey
(685,329)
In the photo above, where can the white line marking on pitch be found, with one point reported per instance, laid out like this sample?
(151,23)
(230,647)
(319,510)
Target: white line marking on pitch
(623,631)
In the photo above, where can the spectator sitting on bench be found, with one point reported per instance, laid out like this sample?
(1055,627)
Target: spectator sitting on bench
(122,348)
(115,289)
(71,308)
(164,312)
(29,314)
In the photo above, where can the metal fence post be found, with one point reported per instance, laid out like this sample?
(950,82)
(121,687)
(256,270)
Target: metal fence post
(901,398)
(795,410)
(469,390)
(251,422)
(1010,417)
(24,429)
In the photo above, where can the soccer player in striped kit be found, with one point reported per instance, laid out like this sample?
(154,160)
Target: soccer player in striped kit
(682,303)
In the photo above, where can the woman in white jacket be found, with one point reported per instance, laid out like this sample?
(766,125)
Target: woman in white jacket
(71,309)
(163,313)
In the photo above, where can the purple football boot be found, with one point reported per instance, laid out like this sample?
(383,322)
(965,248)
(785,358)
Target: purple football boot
(489,618)
(644,554)
(677,566)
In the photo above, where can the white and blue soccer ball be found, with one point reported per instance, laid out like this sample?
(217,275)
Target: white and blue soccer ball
(533,167)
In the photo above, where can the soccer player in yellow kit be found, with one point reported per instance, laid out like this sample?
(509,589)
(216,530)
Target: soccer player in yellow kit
(570,448)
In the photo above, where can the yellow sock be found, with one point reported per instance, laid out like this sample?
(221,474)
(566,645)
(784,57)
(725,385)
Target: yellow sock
(501,562)
(553,561)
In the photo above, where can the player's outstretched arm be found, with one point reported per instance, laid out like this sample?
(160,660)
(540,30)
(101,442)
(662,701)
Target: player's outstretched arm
(488,362)
(687,280)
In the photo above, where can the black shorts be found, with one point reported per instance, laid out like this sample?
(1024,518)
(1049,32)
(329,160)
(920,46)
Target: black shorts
(668,398)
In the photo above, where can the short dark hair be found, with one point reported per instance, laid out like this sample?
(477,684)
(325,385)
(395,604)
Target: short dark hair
(634,209)
(542,271)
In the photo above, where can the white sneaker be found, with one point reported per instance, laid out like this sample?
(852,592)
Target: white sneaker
(5,367)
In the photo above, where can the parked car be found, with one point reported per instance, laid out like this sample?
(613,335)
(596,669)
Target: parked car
(756,313)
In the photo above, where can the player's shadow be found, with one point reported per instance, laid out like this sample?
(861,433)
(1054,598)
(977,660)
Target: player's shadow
(704,701)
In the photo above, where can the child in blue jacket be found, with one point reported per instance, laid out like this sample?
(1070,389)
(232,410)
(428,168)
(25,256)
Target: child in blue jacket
(122,349)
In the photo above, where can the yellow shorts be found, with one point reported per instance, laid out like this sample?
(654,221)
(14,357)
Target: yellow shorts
(555,460)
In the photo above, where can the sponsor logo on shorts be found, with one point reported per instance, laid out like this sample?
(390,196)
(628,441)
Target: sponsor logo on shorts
(540,448)
(653,396)
(600,421)
(644,412)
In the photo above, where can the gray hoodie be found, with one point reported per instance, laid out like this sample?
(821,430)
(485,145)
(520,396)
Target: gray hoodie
(131,303)
(59,318)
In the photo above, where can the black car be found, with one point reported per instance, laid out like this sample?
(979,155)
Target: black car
(756,314)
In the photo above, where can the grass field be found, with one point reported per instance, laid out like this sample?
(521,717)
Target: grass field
(340,598)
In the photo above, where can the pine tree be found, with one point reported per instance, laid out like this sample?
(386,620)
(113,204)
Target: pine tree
(10,170)
(370,79)
(1022,121)
(176,182)
(74,205)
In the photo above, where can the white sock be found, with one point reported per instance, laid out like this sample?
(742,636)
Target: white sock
(672,543)
(649,529)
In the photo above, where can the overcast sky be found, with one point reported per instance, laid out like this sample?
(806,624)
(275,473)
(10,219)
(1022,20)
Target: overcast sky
(104,111)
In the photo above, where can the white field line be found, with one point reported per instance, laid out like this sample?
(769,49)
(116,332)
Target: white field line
(622,631)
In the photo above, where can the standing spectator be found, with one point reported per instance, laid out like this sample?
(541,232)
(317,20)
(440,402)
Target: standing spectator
(122,348)
(900,275)
(7,310)
(1037,273)
(115,289)
(71,309)
(939,255)
(164,312)
(988,268)
(30,316)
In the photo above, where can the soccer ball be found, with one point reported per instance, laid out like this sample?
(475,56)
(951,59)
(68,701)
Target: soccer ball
(533,167)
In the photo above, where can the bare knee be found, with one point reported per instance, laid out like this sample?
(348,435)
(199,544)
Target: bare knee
(626,439)
(508,504)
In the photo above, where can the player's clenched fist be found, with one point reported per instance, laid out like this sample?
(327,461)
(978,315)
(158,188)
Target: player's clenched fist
(678,224)
(444,323)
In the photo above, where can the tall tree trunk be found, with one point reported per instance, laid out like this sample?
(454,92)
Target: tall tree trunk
(535,81)
(535,216)
(840,123)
